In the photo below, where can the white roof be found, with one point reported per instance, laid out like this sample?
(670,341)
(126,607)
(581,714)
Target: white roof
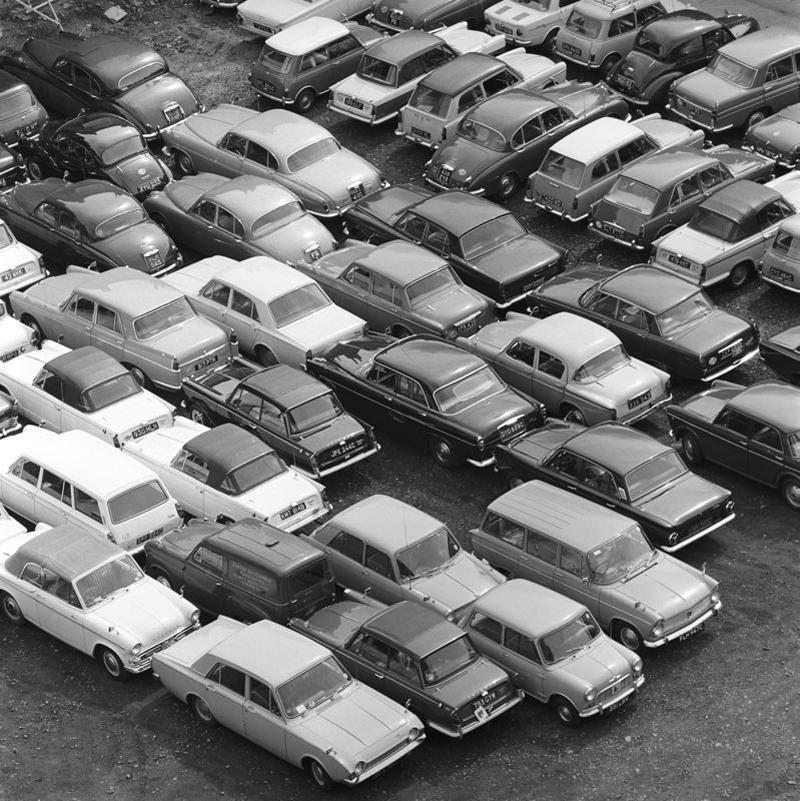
(307,35)
(571,337)
(596,139)
(263,277)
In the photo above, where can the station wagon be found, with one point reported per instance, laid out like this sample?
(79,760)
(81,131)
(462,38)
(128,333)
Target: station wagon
(22,114)
(530,23)
(780,266)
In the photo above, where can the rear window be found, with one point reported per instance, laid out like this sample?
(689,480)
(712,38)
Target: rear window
(275,60)
(442,280)
(141,74)
(136,501)
(119,222)
(482,134)
(563,168)
(123,149)
(311,154)
(732,71)
(584,25)
(283,215)
(110,392)
(311,576)
(785,244)
(297,304)
(373,69)
(16,103)
(633,195)
(163,318)
(717,225)
(253,474)
(429,101)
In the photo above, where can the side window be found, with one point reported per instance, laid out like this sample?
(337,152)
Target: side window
(404,665)
(32,573)
(689,51)
(774,213)
(385,378)
(797,62)
(600,480)
(632,315)
(386,290)
(411,389)
(780,69)
(262,696)
(207,211)
(234,143)
(68,226)
(228,677)
(48,214)
(782,242)
(216,292)
(552,118)
(469,98)
(63,68)
(645,15)
(271,413)
(374,650)
(604,304)
(248,403)
(571,561)
(413,227)
(713,176)
(348,545)
(27,471)
(566,463)
(315,59)
(87,505)
(550,365)
(51,384)
(497,83)
(522,645)
(606,165)
(251,578)
(413,69)
(487,626)
(438,240)
(260,155)
(529,132)
(635,149)
(624,24)
(56,487)
(768,437)
(504,529)
(379,562)
(358,277)
(566,3)
(436,57)
(83,308)
(194,467)
(713,40)
(738,423)
(522,352)
(64,590)
(209,560)
(342,47)
(228,222)
(241,304)
(541,547)
(106,318)
(687,189)
(83,80)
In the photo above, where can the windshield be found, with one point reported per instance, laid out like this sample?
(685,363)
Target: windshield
(481,134)
(687,312)
(316,685)
(297,304)
(311,154)
(108,579)
(448,660)
(5,235)
(785,243)
(16,103)
(136,501)
(373,69)
(309,577)
(253,474)
(468,391)
(602,364)
(109,392)
(490,235)
(313,413)
(123,149)
(429,101)
(569,639)
(442,280)
(633,195)
(563,168)
(584,25)
(428,555)
(732,71)
(120,222)
(654,473)
(616,559)
(141,74)
(283,215)
(714,224)
(163,318)
(275,60)
(539,5)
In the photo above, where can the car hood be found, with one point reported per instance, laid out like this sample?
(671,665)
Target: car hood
(136,171)
(516,258)
(670,134)
(570,286)
(290,242)
(467,159)
(334,174)
(599,664)
(462,580)
(702,88)
(365,90)
(147,101)
(775,132)
(189,340)
(275,13)
(322,329)
(680,500)
(712,331)
(468,684)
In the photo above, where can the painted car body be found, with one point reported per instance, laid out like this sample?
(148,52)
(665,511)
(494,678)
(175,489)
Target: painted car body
(777,137)
(426,15)
(528,23)
(781,352)
(12,167)
(780,266)
(23,114)
(15,336)
(20,266)
(268,17)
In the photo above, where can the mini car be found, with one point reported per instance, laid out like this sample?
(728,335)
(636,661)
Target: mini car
(277,144)
(426,15)
(506,137)
(729,232)
(390,69)
(263,572)
(226,474)
(417,658)
(15,336)
(554,649)
(780,266)
(61,389)
(12,167)
(97,145)
(781,352)
(579,169)
(105,492)
(670,47)
(660,318)
(401,288)
(430,391)
(20,266)
(446,94)
(303,61)
(290,695)
(624,469)
(597,557)
(777,137)
(577,368)
(489,248)
(746,81)
(530,23)
(90,594)
(752,430)
(90,222)
(277,313)
(393,552)
(238,217)
(142,322)
(267,17)
(23,114)
(656,195)
(111,73)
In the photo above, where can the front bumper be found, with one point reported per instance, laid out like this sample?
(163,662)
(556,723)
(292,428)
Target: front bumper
(712,612)
(382,763)
(615,701)
(142,662)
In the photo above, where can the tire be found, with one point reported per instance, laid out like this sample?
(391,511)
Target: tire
(790,489)
(565,711)
(200,414)
(305,100)
(319,775)
(608,64)
(112,665)
(549,44)
(35,169)
(201,711)
(628,635)
(37,329)
(183,163)
(692,450)
(740,275)
(756,117)
(265,357)
(573,415)
(139,376)
(507,186)
(514,481)
(162,578)
(400,331)
(443,453)
(10,610)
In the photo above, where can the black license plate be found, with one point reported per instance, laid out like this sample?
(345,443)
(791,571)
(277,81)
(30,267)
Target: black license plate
(147,186)
(314,253)
(691,110)
(732,350)
(173,114)
(351,101)
(625,83)
(610,228)
(12,274)
(153,260)
(443,176)
(774,271)
(292,510)
(420,133)
(640,399)
(205,362)
(356,192)
(553,201)
(576,51)
(10,355)
(345,447)
(680,261)
(157,532)
(142,430)
(695,630)
(26,130)
(508,431)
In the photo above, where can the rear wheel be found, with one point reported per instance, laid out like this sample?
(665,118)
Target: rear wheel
(139,376)
(692,451)
(10,609)
(573,415)
(756,117)
(35,169)
(565,711)
(400,331)
(32,324)
(740,275)
(608,65)
(161,577)
(549,44)
(790,489)
(201,711)
(199,414)
(507,186)
(184,163)
(304,100)
(444,454)
(266,358)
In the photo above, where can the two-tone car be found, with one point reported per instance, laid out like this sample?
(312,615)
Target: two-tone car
(780,266)
(529,23)
(577,368)
(20,265)
(777,137)
(268,17)
(781,352)
(23,115)
(426,15)
(428,391)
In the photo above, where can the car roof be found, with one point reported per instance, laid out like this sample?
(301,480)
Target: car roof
(607,9)
(99,130)
(415,628)
(458,212)
(505,112)
(773,402)
(597,139)
(250,196)
(280,130)
(262,276)
(224,448)
(307,35)
(460,73)
(740,199)
(672,29)
(85,367)
(401,262)
(286,386)
(650,287)
(618,447)
(128,291)
(430,360)
(93,201)
(762,46)
(573,338)
(9,81)
(791,225)
(403,46)
(111,56)
(665,169)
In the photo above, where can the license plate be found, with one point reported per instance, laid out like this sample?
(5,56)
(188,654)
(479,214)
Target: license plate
(576,51)
(345,447)
(515,428)
(351,101)
(292,510)
(205,362)
(157,532)
(640,399)
(146,187)
(467,327)
(153,260)
(553,201)
(314,253)
(618,704)
(625,83)
(690,109)
(774,271)
(26,130)
(173,114)
(680,261)
(481,713)
(610,228)
(12,274)
(507,29)
(732,350)
(356,192)
(443,176)
(142,430)
(10,355)
(419,132)
(686,634)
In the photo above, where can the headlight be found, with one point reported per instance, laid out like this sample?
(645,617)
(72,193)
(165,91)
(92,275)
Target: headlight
(658,628)
(637,666)
(195,616)
(714,596)
(413,734)
(590,694)
(137,649)
(360,768)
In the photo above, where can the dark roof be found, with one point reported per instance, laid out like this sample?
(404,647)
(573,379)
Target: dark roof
(225,448)
(772,402)
(507,111)
(403,46)
(461,72)
(740,199)
(674,29)
(615,446)
(9,81)
(85,367)
(417,629)
(650,287)
(458,212)
(286,386)
(99,131)
(93,201)
(111,57)
(665,169)
(430,359)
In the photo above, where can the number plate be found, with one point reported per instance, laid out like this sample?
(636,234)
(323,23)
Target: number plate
(625,83)
(506,432)
(292,510)
(618,704)
(142,430)
(153,260)
(10,355)
(314,253)
(12,274)
(774,271)
(356,192)
(689,108)
(696,630)
(205,362)
(610,228)
(173,114)
(553,201)
(640,399)
(680,261)
(568,48)
(150,536)
(443,176)
(146,187)
(346,447)
(420,133)
(351,101)
(480,712)
(732,350)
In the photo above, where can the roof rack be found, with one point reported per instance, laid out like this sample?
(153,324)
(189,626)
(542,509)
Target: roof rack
(43,9)
(615,3)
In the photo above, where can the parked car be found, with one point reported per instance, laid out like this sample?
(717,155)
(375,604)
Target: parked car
(489,248)
(238,217)
(9,420)
(302,62)
(780,266)
(597,557)
(15,336)
(12,167)
(291,696)
(226,474)
(97,145)
(104,492)
(777,137)
(746,81)
(277,313)
(419,659)
(90,222)
(529,23)
(390,69)
(266,17)
(781,352)
(729,232)
(653,197)
(428,391)
(624,469)
(71,75)
(506,137)
(139,320)
(277,144)
(23,115)
(554,649)
(20,266)
(579,169)
(291,411)
(446,94)
(401,288)
(578,369)
(672,46)
(426,15)
(394,552)
(90,594)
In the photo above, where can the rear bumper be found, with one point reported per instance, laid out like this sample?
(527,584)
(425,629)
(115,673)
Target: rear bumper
(727,369)
(697,535)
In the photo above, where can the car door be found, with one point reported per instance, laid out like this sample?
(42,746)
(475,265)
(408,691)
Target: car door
(204,217)
(264,723)
(228,159)
(377,401)
(214,299)
(726,441)
(19,487)
(106,333)
(521,656)
(202,577)
(52,504)
(767,222)
(260,161)
(599,485)
(384,307)
(351,290)
(344,54)
(633,320)
(38,230)
(185,478)
(781,84)
(85,512)
(75,322)
(410,412)
(683,200)
(403,682)
(515,365)
(227,235)
(61,96)
(247,409)
(538,558)
(346,555)
(564,469)
(524,145)
(224,694)
(59,611)
(70,241)
(571,577)
(378,577)
(548,377)
(765,457)
(44,402)
(500,541)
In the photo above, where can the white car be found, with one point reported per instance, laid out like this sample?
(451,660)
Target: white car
(62,389)
(90,594)
(278,313)
(15,337)
(226,473)
(20,266)
(76,478)
(267,17)
(529,22)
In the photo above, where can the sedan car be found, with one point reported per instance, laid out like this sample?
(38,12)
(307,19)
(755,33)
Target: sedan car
(503,140)
(529,23)
(489,248)
(426,15)
(401,288)
(392,551)
(777,137)
(20,266)
(781,352)
(238,217)
(139,320)
(780,266)
(428,391)
(71,75)
(23,114)
(15,336)
(577,368)
(660,318)
(267,17)
(277,313)
(419,659)
(291,696)
(90,222)
(624,469)
(90,594)
(277,144)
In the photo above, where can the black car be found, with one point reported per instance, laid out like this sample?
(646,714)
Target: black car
(782,353)
(672,46)
(428,390)
(97,145)
(488,246)
(70,75)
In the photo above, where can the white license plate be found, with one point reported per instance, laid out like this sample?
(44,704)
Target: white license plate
(10,275)
(576,51)
(157,532)
(640,399)
(356,192)
(10,355)
(142,430)
(292,510)
(508,431)
(696,630)
(481,713)
(732,350)
(553,201)
(782,274)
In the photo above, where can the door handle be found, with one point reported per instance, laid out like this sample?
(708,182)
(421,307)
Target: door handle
(378,675)
(572,488)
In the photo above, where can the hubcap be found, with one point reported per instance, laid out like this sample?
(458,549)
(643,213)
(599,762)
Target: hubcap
(793,493)
(442,450)
(630,639)
(319,776)
(10,607)
(111,664)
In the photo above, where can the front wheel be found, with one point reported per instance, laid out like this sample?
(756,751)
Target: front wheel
(184,163)
(608,65)
(507,186)
(139,377)
(565,711)
(790,489)
(201,711)
(304,100)
(113,666)
(320,776)
(35,169)
(444,454)
(549,44)
(628,636)
(692,451)
(401,332)
(573,415)
(10,610)
(199,414)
